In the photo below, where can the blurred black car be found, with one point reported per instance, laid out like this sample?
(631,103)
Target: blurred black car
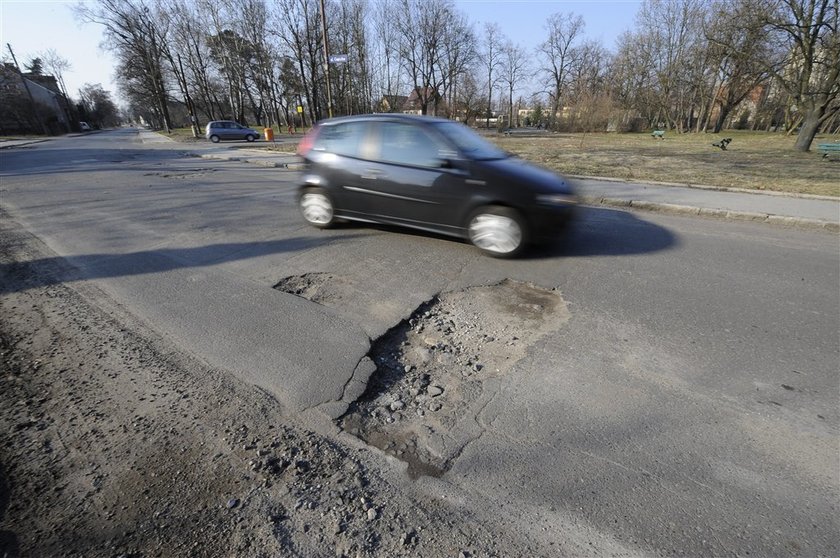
(430,174)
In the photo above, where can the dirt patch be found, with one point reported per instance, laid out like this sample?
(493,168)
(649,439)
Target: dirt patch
(311,286)
(183,174)
(436,371)
(115,443)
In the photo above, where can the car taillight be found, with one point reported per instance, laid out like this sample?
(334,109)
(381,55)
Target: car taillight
(308,141)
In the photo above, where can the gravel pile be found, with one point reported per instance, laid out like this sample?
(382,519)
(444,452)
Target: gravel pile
(433,370)
(113,443)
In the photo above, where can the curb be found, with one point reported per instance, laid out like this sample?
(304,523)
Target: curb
(669,208)
(21,143)
(710,188)
(676,209)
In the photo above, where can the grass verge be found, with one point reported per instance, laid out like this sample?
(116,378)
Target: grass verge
(753,160)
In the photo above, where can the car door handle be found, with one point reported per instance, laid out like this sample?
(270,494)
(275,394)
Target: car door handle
(371,174)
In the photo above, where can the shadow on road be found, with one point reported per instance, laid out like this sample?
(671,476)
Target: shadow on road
(17,276)
(609,232)
(595,232)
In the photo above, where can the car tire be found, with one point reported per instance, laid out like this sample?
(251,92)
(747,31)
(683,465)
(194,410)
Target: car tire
(214,139)
(317,208)
(251,137)
(497,231)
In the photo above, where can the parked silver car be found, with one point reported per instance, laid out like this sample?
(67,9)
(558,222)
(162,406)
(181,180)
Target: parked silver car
(229,130)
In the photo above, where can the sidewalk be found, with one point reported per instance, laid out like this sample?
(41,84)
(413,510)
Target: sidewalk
(813,212)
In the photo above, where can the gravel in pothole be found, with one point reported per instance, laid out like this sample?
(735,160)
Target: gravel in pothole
(422,403)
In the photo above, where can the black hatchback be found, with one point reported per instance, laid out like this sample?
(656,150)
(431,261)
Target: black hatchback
(430,174)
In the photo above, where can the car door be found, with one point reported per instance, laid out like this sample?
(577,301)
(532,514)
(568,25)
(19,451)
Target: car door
(222,130)
(338,158)
(406,179)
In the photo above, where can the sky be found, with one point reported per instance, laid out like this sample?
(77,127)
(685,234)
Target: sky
(34,26)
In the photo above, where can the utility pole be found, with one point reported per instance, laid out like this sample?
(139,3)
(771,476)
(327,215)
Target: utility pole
(29,92)
(326,57)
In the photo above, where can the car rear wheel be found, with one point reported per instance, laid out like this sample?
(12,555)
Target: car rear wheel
(214,139)
(497,231)
(317,208)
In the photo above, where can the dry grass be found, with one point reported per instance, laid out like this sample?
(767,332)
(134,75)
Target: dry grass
(754,160)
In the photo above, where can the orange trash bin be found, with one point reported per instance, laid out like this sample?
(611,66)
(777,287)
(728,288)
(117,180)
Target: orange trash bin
(269,134)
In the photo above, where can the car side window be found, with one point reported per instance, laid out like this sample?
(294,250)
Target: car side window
(342,139)
(408,144)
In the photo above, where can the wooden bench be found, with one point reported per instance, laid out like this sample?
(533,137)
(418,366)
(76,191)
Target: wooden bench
(828,148)
(658,134)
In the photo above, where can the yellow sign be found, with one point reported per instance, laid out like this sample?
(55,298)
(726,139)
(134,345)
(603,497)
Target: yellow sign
(300,109)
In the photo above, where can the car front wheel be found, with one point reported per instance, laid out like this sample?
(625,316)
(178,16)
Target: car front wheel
(251,137)
(317,208)
(214,139)
(497,231)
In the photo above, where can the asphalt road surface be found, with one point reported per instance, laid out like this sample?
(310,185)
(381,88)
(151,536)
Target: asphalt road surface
(686,404)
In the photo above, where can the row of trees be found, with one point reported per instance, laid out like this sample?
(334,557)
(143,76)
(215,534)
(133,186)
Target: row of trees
(689,65)
(50,107)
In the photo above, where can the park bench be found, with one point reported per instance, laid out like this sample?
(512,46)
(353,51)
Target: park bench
(658,134)
(828,148)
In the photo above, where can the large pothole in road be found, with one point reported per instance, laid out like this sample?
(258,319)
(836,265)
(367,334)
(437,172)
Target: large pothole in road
(437,370)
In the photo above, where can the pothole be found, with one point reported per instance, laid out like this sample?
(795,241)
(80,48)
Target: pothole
(317,287)
(183,174)
(436,371)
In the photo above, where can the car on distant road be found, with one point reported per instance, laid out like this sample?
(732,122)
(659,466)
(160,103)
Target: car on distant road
(84,127)
(218,130)
(430,174)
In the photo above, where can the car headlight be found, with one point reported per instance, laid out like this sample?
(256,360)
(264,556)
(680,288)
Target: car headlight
(557,199)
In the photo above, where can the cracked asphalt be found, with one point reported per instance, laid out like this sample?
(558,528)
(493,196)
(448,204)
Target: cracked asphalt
(686,402)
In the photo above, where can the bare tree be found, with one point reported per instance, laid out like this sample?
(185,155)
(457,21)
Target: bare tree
(587,91)
(354,84)
(513,70)
(492,45)
(386,37)
(428,30)
(459,60)
(564,30)
(131,32)
(189,42)
(741,50)
(810,70)
(300,30)
(97,107)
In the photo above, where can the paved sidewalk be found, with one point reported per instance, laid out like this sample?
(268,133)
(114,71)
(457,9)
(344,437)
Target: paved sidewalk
(806,211)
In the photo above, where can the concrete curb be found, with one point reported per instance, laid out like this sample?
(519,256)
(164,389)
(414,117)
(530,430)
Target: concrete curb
(710,188)
(670,208)
(20,143)
(676,209)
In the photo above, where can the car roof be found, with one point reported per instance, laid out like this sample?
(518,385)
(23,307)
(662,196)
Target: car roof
(384,116)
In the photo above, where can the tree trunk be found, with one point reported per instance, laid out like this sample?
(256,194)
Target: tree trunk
(721,119)
(810,127)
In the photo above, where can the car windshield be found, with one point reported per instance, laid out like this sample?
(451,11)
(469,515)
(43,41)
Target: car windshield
(470,143)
